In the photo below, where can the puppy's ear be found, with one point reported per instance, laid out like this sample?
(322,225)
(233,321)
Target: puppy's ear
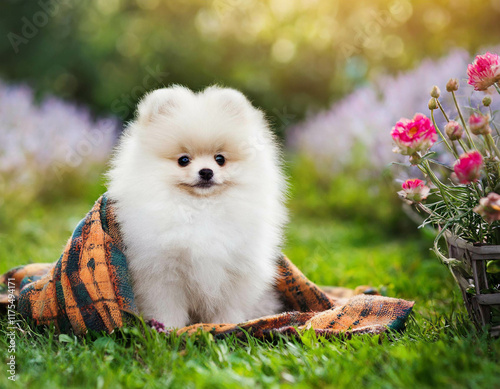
(230,100)
(161,102)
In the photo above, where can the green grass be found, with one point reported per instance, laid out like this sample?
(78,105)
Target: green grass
(439,349)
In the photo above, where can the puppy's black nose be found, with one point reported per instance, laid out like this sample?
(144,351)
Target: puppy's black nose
(206,174)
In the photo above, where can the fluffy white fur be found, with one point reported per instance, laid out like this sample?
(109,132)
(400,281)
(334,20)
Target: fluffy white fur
(200,254)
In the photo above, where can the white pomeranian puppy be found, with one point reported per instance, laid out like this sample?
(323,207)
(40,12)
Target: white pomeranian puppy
(200,201)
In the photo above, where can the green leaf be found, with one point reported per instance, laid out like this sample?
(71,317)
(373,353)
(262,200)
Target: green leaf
(63,338)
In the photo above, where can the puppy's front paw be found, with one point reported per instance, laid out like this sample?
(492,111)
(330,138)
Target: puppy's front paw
(176,320)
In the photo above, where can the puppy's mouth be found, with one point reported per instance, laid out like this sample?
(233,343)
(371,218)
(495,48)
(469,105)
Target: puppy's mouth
(200,184)
(204,184)
(203,188)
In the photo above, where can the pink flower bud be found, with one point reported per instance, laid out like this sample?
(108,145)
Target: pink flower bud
(479,124)
(484,71)
(414,135)
(414,190)
(454,130)
(452,85)
(435,92)
(489,207)
(468,167)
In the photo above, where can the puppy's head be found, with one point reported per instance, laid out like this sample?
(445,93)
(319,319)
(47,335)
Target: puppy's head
(204,142)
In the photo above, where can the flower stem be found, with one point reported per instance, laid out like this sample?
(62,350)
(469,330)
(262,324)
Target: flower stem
(497,87)
(425,209)
(464,146)
(452,150)
(494,125)
(442,110)
(427,169)
(491,144)
(477,193)
(436,182)
(463,121)
(488,178)
(460,141)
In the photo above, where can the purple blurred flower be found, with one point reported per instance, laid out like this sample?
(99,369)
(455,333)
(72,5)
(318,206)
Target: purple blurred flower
(366,116)
(38,139)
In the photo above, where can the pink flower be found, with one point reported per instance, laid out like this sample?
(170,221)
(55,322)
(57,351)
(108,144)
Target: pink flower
(413,135)
(484,71)
(468,167)
(489,207)
(414,190)
(479,124)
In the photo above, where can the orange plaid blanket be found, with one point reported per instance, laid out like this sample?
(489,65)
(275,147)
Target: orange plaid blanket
(89,288)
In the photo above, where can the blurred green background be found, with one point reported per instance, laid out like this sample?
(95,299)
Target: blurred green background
(289,56)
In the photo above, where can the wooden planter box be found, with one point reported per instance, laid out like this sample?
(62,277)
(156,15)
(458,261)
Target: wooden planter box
(470,271)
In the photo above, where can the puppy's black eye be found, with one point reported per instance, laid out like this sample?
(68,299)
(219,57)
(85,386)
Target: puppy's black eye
(220,159)
(183,161)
